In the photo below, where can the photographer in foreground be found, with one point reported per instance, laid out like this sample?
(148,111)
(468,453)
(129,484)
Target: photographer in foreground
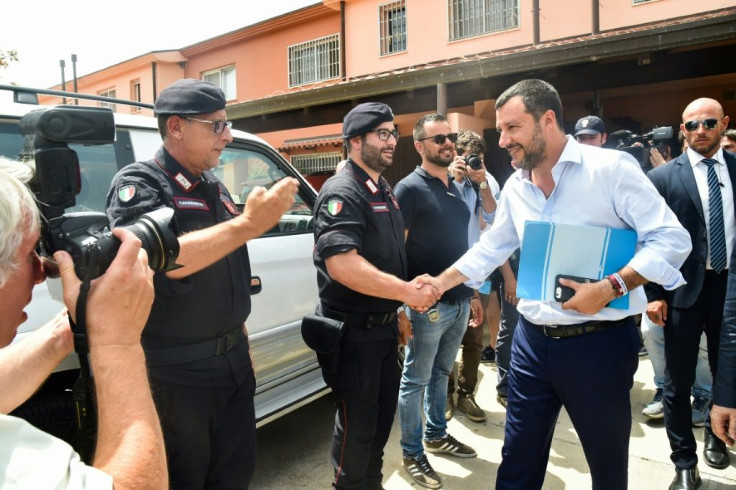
(129,449)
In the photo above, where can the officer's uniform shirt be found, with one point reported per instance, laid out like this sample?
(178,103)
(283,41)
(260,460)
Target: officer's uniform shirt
(354,212)
(206,304)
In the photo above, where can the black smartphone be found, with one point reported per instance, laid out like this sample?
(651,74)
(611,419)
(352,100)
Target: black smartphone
(564,293)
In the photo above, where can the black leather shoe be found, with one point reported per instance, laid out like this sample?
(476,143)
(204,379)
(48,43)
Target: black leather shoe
(686,479)
(715,452)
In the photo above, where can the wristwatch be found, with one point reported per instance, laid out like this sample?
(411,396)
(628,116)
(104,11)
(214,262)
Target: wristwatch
(483,185)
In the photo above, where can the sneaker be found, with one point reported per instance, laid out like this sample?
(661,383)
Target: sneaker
(466,403)
(502,400)
(488,355)
(643,351)
(449,407)
(655,409)
(422,472)
(701,410)
(450,445)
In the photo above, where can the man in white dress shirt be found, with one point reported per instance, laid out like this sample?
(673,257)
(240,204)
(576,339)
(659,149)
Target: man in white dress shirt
(577,354)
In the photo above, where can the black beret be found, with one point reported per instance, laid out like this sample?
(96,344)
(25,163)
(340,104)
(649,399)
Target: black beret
(190,96)
(364,117)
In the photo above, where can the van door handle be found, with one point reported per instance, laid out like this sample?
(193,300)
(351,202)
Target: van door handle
(255,285)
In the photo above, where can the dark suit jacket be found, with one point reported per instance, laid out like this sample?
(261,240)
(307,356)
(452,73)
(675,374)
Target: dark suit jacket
(675,181)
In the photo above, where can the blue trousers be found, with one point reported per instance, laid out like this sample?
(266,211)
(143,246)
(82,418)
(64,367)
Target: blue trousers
(591,376)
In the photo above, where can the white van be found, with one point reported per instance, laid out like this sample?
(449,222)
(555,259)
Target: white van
(287,373)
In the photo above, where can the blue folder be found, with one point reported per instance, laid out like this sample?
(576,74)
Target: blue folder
(549,249)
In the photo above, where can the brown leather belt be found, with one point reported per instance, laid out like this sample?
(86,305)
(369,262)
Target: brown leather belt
(565,331)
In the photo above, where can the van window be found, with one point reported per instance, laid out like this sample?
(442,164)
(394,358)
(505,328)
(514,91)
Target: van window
(241,170)
(97,166)
(11,142)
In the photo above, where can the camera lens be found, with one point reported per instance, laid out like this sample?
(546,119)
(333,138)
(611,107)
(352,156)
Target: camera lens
(474,162)
(157,239)
(93,247)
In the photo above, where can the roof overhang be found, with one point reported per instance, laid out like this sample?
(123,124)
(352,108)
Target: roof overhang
(674,34)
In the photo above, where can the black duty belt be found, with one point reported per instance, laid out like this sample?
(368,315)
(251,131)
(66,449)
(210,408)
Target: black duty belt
(365,320)
(565,331)
(218,346)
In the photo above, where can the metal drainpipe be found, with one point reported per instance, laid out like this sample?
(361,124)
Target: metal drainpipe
(535,20)
(596,17)
(343,60)
(74,72)
(442,98)
(62,64)
(155,82)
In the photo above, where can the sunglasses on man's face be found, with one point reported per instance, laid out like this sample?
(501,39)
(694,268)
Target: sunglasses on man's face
(441,138)
(709,123)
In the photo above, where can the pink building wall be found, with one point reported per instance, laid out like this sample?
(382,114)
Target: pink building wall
(622,13)
(260,55)
(261,61)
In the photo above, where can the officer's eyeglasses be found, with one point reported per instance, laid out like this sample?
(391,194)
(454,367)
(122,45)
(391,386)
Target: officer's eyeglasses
(441,138)
(385,134)
(709,123)
(217,126)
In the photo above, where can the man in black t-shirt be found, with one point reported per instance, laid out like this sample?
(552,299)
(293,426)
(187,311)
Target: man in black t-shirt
(436,221)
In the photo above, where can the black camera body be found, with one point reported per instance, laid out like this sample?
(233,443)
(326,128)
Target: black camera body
(638,146)
(473,161)
(57,180)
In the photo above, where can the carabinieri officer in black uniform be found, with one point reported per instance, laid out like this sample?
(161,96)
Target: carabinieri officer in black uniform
(195,340)
(361,270)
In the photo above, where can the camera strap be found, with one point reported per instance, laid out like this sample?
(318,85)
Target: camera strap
(83,391)
(79,328)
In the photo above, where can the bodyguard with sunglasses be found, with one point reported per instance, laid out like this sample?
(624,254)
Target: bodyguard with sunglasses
(195,340)
(699,187)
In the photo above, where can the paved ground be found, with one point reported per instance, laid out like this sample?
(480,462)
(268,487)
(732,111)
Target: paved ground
(294,450)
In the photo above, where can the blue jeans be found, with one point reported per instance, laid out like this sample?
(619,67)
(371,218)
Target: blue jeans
(591,376)
(653,336)
(430,355)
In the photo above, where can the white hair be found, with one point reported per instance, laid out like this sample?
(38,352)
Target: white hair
(18,213)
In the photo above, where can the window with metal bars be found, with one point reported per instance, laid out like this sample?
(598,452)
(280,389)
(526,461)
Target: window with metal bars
(314,61)
(392,26)
(468,18)
(311,163)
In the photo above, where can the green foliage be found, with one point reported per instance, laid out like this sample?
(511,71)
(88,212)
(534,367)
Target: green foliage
(6,57)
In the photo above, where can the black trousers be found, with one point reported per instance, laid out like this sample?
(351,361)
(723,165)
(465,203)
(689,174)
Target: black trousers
(366,393)
(209,432)
(682,332)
